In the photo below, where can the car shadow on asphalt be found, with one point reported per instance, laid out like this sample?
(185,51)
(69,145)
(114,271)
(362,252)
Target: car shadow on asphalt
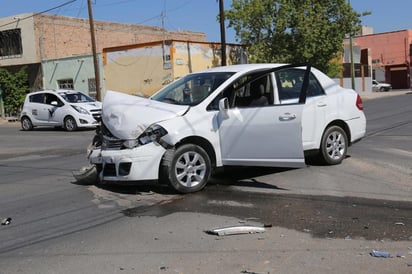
(229,176)
(246,177)
(241,176)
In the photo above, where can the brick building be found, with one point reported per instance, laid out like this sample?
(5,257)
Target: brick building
(390,55)
(32,39)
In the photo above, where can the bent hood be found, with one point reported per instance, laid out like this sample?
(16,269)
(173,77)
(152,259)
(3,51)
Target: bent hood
(127,116)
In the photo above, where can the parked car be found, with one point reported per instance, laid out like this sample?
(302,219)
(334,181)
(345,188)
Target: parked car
(378,86)
(60,108)
(240,115)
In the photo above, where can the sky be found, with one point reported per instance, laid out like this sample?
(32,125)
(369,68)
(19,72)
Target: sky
(194,15)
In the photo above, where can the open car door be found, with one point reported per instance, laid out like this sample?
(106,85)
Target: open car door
(265,135)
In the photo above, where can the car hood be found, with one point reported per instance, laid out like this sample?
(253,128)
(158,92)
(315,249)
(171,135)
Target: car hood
(89,105)
(127,116)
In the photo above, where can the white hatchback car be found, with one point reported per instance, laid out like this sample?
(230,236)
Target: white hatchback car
(241,115)
(60,108)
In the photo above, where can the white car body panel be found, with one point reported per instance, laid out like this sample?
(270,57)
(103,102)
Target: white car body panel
(246,138)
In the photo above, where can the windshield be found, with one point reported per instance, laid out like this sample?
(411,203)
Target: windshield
(76,97)
(191,89)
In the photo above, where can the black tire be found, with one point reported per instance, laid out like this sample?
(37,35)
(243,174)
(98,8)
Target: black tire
(187,169)
(334,145)
(26,123)
(70,124)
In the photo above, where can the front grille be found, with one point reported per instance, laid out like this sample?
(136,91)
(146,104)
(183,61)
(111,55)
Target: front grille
(96,113)
(109,141)
(124,168)
(109,170)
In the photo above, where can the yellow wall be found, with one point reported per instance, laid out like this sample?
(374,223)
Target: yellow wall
(140,69)
(136,71)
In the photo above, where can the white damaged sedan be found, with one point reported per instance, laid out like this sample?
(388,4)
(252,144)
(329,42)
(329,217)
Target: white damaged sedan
(240,115)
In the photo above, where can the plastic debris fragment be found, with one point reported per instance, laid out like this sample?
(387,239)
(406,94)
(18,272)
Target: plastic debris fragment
(6,221)
(233,230)
(382,254)
(87,175)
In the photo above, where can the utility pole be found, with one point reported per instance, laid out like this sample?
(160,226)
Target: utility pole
(222,31)
(352,65)
(95,60)
(2,104)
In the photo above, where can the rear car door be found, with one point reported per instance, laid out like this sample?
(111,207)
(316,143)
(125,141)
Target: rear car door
(262,135)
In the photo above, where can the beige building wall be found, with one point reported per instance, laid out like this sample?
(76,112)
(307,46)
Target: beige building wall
(143,69)
(28,39)
(137,71)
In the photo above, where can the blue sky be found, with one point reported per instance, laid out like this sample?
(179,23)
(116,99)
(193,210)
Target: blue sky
(196,15)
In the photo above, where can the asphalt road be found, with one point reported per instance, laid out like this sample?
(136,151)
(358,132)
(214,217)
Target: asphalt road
(319,219)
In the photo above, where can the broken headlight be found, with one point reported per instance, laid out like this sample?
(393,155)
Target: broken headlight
(152,134)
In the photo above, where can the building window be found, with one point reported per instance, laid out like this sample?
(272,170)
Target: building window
(10,44)
(92,87)
(65,84)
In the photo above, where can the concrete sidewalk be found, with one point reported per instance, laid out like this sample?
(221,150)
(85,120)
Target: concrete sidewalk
(374,95)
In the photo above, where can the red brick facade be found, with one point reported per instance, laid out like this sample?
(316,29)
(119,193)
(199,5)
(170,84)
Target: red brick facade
(390,51)
(60,36)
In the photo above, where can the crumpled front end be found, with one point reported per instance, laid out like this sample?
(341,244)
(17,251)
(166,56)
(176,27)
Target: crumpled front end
(130,143)
(116,163)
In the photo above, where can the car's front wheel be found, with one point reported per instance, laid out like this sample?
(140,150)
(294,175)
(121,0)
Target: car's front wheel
(187,169)
(334,145)
(26,124)
(70,123)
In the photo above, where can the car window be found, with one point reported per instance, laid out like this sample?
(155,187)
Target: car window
(290,81)
(50,98)
(76,97)
(37,98)
(314,87)
(191,89)
(253,90)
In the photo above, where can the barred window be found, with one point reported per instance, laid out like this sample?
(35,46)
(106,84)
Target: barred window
(65,84)
(92,87)
(10,43)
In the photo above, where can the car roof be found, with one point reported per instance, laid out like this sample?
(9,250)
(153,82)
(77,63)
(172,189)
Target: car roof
(242,67)
(58,91)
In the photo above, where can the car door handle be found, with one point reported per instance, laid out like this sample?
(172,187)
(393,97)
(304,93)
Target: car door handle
(287,117)
(321,104)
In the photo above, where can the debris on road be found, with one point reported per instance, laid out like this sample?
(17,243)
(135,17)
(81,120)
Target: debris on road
(252,272)
(381,254)
(6,221)
(87,175)
(234,230)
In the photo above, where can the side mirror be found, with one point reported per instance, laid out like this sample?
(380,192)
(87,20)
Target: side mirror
(54,103)
(224,107)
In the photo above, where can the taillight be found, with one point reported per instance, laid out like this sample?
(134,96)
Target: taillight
(359,103)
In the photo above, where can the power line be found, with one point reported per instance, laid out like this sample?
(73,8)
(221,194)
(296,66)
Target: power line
(37,13)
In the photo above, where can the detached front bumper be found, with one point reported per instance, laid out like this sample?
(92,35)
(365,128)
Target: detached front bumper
(138,164)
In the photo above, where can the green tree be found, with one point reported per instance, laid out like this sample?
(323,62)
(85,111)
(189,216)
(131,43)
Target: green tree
(293,31)
(14,88)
